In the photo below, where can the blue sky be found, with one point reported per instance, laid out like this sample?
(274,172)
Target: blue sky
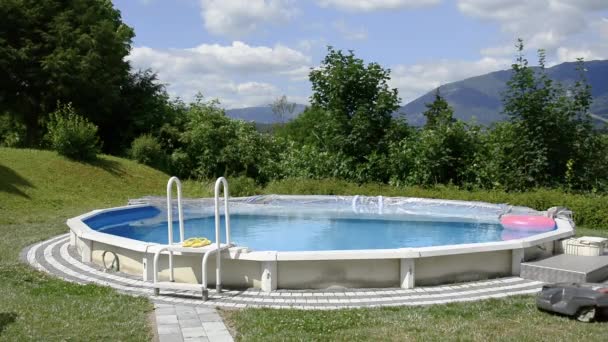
(249,52)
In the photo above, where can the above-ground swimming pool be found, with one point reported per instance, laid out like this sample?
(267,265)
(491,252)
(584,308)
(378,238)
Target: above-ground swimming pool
(325,241)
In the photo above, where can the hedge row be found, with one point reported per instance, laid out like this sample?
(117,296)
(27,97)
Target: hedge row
(590,210)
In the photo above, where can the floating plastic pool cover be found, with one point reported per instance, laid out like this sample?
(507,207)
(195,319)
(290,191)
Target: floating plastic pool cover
(399,207)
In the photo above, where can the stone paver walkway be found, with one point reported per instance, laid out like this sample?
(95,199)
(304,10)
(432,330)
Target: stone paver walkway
(189,323)
(180,312)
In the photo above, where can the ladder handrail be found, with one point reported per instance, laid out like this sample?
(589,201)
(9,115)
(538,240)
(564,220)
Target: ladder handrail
(218,269)
(218,250)
(180,213)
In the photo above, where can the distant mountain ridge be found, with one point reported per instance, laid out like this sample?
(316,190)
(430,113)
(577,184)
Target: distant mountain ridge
(261,114)
(477,98)
(480,97)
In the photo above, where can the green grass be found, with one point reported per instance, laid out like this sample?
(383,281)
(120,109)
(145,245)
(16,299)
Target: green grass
(39,191)
(510,319)
(39,186)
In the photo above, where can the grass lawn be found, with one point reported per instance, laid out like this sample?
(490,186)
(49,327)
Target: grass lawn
(39,190)
(510,319)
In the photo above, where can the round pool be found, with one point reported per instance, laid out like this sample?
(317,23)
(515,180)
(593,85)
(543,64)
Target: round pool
(324,241)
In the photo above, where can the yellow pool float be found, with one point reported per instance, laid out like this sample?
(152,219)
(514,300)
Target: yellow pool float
(196,242)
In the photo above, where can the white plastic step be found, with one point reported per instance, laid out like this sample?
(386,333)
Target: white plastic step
(171,285)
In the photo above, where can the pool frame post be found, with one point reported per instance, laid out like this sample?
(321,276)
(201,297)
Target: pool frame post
(269,278)
(517,257)
(406,273)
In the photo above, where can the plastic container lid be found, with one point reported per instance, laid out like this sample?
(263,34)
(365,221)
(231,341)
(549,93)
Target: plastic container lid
(592,240)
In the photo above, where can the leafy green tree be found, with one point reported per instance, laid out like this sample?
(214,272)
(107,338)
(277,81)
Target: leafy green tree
(215,145)
(142,108)
(357,100)
(308,128)
(68,51)
(438,113)
(146,150)
(550,123)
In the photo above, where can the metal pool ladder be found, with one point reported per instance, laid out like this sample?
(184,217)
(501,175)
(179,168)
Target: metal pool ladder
(206,251)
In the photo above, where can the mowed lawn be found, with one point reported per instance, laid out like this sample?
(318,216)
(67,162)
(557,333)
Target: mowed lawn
(39,190)
(510,319)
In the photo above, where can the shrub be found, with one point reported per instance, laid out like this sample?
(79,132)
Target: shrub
(146,150)
(243,186)
(72,135)
(12,132)
(180,164)
(219,146)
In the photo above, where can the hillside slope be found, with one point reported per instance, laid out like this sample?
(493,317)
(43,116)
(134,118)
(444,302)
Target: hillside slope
(38,186)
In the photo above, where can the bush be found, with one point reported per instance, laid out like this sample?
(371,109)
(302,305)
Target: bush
(146,150)
(440,155)
(72,135)
(219,146)
(12,132)
(180,164)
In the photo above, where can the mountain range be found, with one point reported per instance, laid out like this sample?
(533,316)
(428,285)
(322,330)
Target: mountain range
(476,98)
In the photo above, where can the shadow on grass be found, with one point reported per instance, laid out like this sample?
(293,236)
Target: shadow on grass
(111,166)
(6,318)
(10,181)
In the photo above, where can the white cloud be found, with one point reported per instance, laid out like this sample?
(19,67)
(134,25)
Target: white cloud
(375,5)
(416,80)
(236,18)
(299,74)
(238,74)
(350,33)
(543,24)
(565,54)
(214,57)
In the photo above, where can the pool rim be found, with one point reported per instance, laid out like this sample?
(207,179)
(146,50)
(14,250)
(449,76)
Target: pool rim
(564,229)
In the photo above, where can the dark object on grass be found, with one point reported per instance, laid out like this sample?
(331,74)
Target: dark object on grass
(584,301)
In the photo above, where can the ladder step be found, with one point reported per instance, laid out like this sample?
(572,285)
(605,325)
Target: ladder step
(187,250)
(170,285)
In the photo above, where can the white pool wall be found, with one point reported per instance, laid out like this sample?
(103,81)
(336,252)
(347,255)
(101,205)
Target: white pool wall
(270,270)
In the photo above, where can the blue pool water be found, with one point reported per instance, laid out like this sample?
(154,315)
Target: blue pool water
(307,233)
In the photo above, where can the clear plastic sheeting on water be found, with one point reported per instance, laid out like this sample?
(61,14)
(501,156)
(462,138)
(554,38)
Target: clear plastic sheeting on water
(318,223)
(400,208)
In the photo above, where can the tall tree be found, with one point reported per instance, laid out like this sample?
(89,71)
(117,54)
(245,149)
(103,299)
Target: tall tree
(143,107)
(549,121)
(282,108)
(61,51)
(357,99)
(438,112)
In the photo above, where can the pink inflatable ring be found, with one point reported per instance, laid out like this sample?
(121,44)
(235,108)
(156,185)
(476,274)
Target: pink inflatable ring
(527,223)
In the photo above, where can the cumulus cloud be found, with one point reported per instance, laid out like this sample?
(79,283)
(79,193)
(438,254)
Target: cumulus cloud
(238,74)
(543,24)
(350,33)
(375,5)
(238,57)
(237,18)
(565,54)
(415,80)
